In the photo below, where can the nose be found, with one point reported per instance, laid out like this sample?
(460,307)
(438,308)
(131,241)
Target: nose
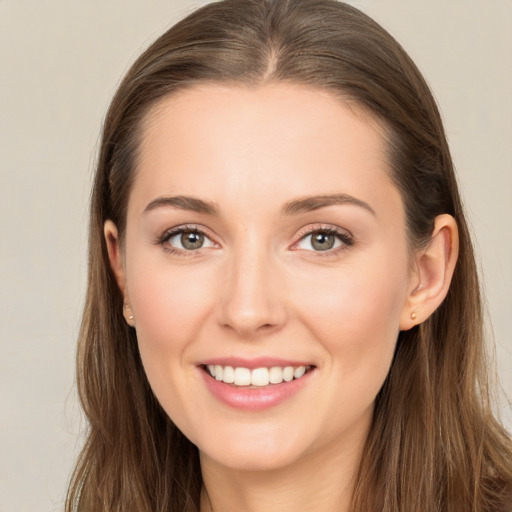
(253,298)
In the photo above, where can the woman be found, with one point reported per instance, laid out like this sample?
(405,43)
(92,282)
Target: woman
(283,310)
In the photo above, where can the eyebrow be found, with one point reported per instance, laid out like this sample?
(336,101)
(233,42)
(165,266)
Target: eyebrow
(188,203)
(311,203)
(301,205)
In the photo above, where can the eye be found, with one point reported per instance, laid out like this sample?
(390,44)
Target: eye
(321,240)
(187,239)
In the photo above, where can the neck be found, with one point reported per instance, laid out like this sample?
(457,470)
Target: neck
(323,481)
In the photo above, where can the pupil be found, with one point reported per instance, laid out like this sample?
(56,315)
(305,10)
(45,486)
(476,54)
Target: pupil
(191,240)
(322,241)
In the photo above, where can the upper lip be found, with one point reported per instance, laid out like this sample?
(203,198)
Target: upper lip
(257,362)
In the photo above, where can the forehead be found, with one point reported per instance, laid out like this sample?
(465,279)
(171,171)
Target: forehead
(231,140)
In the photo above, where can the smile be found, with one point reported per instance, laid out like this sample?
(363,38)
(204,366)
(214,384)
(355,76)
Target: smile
(255,385)
(259,377)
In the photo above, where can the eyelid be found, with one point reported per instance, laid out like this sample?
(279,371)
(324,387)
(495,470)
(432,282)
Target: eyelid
(345,236)
(171,232)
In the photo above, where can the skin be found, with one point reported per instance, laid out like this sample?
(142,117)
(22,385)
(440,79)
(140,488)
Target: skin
(259,288)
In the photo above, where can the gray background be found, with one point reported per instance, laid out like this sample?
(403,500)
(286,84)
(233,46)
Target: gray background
(59,65)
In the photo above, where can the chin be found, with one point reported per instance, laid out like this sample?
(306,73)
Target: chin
(263,449)
(251,460)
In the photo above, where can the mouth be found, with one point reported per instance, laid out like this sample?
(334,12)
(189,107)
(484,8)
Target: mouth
(256,384)
(255,378)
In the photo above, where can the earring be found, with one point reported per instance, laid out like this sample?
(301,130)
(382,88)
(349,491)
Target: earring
(414,316)
(130,320)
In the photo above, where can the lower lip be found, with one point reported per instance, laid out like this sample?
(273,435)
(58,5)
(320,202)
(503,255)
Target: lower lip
(254,399)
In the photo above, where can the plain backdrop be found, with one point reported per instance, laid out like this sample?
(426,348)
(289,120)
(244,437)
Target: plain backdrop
(60,62)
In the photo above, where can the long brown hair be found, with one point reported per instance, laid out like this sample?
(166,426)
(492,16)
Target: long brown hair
(434,444)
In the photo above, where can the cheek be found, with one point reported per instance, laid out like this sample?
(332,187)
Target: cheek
(358,297)
(356,320)
(170,305)
(355,315)
(168,302)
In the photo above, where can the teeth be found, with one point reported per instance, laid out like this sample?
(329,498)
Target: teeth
(242,376)
(288,374)
(299,372)
(229,375)
(258,377)
(275,375)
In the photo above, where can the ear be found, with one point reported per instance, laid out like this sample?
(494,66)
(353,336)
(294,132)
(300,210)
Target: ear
(115,256)
(114,253)
(434,267)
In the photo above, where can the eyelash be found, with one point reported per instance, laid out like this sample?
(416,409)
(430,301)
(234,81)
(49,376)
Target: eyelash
(346,239)
(343,236)
(168,235)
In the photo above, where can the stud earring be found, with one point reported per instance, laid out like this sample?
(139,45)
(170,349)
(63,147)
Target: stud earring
(130,316)
(414,316)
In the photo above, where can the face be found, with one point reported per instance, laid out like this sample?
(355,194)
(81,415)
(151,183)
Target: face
(266,267)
